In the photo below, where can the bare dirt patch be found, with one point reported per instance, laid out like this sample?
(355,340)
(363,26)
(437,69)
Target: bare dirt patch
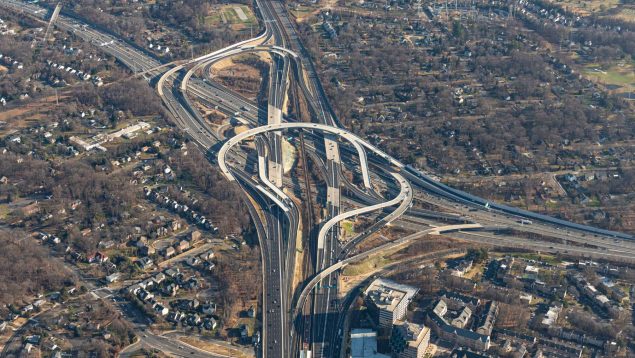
(240,74)
(19,117)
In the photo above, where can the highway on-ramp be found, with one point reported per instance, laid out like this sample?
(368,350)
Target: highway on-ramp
(275,214)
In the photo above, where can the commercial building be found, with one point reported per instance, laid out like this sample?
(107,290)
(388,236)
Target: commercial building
(409,340)
(388,301)
(364,344)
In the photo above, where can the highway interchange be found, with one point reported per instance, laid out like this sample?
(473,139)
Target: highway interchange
(308,316)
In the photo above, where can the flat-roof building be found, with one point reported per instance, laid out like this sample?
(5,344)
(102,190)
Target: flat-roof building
(388,300)
(409,340)
(364,344)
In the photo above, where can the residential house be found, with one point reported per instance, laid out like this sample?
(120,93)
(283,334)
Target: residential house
(147,251)
(175,316)
(106,244)
(160,309)
(244,331)
(170,290)
(172,272)
(460,336)
(195,236)
(209,323)
(551,316)
(39,303)
(462,268)
(144,263)
(209,266)
(98,257)
(168,252)
(461,320)
(193,320)
(145,295)
(208,255)
(486,324)
(456,301)
(26,309)
(158,278)
(193,261)
(142,242)
(113,277)
(210,308)
(183,245)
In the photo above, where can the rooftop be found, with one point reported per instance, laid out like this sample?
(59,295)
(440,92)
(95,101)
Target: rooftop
(387,294)
(414,332)
(364,344)
(463,317)
(551,316)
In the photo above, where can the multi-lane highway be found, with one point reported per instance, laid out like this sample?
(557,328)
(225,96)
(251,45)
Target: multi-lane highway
(304,317)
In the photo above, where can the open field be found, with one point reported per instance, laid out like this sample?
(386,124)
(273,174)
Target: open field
(4,211)
(215,348)
(586,7)
(368,265)
(289,156)
(550,259)
(239,17)
(618,78)
(348,228)
(33,110)
(300,12)
(625,13)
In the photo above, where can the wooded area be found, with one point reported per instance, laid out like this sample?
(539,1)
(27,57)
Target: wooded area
(27,269)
